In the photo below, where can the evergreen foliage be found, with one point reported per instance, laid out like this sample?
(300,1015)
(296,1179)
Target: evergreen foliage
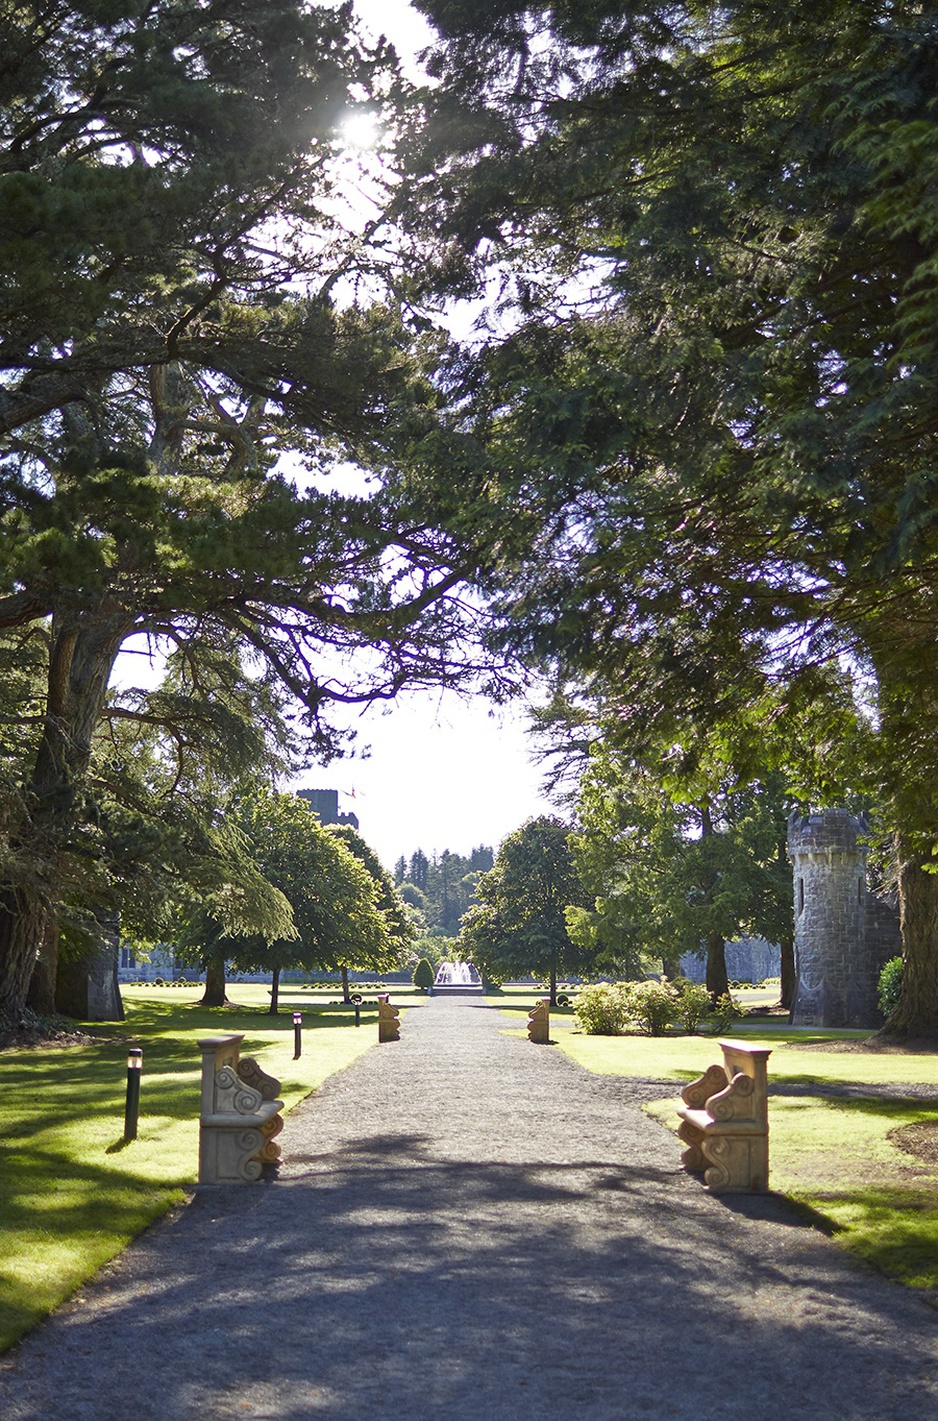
(180,329)
(890,986)
(715,412)
(443,888)
(423,975)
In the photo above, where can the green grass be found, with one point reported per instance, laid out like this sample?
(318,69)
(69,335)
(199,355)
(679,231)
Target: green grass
(832,1158)
(682,1058)
(72,1193)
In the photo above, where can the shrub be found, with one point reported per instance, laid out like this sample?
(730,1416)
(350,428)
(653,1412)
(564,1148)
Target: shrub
(725,1012)
(423,975)
(603,1008)
(890,985)
(653,1006)
(694,1004)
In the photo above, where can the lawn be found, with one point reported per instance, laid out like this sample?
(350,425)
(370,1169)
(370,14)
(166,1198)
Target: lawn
(842,1162)
(72,1194)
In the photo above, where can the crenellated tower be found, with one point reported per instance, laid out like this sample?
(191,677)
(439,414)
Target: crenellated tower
(843,933)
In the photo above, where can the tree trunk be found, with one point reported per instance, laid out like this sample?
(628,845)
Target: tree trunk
(214,994)
(82,650)
(717,983)
(553,985)
(346,995)
(789,976)
(916,1016)
(670,967)
(275,992)
(41,995)
(24,923)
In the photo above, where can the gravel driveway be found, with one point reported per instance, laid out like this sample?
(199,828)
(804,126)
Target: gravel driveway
(466,1225)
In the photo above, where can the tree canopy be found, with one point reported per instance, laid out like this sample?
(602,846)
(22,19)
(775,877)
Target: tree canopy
(716,242)
(335,917)
(676,868)
(519,925)
(184,362)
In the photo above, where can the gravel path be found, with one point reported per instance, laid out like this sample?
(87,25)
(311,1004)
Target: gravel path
(469,1226)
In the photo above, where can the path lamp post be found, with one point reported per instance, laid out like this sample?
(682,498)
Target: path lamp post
(297,1035)
(132,1105)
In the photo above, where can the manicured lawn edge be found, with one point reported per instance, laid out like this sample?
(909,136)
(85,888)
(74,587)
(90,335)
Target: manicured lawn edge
(72,1193)
(831,1158)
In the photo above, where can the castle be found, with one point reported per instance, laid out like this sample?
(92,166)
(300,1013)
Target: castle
(843,933)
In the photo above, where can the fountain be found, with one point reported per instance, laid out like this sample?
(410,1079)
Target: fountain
(457,977)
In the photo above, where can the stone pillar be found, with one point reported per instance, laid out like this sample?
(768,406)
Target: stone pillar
(836,980)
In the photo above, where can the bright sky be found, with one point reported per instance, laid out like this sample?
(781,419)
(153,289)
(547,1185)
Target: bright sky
(407,31)
(444,773)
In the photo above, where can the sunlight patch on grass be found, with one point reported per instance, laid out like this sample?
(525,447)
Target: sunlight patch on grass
(72,1193)
(834,1158)
(683,1058)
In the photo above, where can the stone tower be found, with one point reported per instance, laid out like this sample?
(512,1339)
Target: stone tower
(843,934)
(325,803)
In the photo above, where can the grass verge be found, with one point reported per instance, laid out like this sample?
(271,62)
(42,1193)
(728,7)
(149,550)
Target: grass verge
(72,1193)
(837,1160)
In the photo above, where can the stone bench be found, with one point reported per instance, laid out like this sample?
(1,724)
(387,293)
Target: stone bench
(389,1024)
(239,1114)
(539,1022)
(725,1121)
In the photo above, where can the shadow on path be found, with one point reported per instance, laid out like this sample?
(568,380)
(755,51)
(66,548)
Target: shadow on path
(468,1227)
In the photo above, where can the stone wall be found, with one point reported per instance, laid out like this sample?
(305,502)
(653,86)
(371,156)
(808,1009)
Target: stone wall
(843,934)
(749,959)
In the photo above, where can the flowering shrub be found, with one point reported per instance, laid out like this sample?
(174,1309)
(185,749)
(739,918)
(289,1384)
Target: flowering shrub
(653,1006)
(694,1003)
(603,1008)
(726,1011)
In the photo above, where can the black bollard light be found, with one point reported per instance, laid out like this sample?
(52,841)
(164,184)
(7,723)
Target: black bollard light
(297,1035)
(358,1013)
(132,1106)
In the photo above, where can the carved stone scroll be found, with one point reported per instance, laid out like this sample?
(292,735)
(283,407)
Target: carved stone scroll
(725,1123)
(539,1022)
(389,1026)
(250,1071)
(239,1116)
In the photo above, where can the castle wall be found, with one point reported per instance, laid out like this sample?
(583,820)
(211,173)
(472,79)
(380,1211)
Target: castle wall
(841,930)
(749,959)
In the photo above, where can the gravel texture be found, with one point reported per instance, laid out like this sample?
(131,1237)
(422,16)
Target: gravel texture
(467,1225)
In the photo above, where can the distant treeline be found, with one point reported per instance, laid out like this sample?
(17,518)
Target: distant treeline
(441,889)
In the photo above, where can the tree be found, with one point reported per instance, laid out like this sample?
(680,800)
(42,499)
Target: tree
(336,918)
(419,869)
(423,975)
(400,926)
(715,229)
(519,925)
(178,314)
(151,836)
(447,887)
(673,871)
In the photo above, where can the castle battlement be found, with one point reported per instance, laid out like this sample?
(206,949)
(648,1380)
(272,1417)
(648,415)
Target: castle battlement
(831,830)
